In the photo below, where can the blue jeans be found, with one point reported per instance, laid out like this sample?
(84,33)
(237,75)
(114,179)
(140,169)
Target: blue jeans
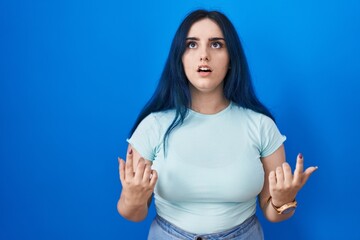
(161,229)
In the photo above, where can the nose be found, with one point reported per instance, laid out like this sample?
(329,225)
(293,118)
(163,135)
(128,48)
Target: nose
(204,55)
(204,59)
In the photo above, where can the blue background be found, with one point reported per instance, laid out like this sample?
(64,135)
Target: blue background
(74,75)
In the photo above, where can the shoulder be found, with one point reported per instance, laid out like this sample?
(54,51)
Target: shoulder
(162,117)
(250,115)
(157,121)
(254,121)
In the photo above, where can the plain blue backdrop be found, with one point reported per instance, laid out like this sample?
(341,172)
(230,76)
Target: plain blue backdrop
(74,75)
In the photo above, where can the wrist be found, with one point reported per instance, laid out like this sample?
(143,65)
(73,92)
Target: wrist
(280,202)
(131,202)
(131,211)
(285,208)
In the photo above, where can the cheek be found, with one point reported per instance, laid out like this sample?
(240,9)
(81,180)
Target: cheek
(224,61)
(187,63)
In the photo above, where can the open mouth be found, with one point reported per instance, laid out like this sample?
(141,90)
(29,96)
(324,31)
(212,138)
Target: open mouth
(204,69)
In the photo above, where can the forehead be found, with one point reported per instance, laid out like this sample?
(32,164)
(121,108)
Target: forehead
(205,28)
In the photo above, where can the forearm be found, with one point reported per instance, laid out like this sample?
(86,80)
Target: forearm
(131,211)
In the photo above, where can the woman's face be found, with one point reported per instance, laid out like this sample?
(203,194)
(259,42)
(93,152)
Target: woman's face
(206,59)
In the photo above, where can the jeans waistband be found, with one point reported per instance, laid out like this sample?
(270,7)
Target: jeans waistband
(227,234)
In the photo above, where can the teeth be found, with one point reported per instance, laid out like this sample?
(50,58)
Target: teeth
(204,69)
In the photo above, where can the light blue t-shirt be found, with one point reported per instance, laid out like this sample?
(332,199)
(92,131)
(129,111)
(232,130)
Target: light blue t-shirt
(212,173)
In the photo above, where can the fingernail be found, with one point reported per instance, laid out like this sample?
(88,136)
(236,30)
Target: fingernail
(130,151)
(300,155)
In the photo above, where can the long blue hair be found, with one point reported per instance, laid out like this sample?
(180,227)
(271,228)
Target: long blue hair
(173,90)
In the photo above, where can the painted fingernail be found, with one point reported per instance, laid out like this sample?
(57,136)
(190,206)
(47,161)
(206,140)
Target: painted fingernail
(131,151)
(300,155)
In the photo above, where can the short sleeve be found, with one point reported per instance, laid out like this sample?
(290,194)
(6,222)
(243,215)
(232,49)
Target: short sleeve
(146,138)
(270,136)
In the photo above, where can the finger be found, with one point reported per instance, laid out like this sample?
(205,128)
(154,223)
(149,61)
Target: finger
(272,180)
(307,174)
(299,168)
(121,170)
(139,172)
(154,177)
(288,177)
(279,177)
(129,165)
(147,173)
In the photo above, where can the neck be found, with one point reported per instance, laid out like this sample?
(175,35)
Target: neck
(208,103)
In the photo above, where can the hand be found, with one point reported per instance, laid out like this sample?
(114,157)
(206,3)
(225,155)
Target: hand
(284,185)
(138,186)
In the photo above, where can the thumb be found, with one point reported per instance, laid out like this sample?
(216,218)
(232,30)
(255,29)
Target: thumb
(307,173)
(154,178)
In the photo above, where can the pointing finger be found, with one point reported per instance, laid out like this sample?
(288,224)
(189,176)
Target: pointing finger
(129,165)
(299,168)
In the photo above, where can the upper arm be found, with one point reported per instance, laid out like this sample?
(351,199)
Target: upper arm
(270,163)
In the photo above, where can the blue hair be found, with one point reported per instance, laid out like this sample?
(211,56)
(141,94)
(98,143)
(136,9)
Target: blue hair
(173,90)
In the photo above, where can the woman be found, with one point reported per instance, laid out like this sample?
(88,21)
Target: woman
(205,145)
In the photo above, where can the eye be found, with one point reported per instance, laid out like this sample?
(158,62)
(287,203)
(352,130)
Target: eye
(216,45)
(191,44)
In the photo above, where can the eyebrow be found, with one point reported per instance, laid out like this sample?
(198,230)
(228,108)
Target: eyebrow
(210,39)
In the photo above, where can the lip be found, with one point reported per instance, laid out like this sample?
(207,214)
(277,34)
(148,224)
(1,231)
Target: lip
(204,66)
(204,74)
